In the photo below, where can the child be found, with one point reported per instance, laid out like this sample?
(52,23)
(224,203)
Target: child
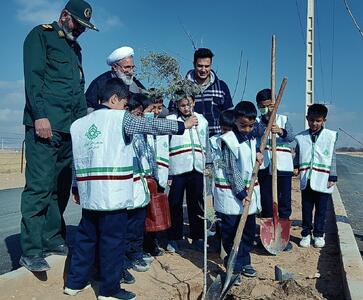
(186,168)
(144,166)
(154,242)
(103,160)
(284,136)
(219,191)
(315,161)
(239,155)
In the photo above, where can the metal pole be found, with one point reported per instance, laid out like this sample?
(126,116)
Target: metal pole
(309,90)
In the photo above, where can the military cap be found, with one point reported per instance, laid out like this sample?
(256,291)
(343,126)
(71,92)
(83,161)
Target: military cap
(81,11)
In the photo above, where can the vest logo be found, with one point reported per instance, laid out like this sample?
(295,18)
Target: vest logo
(326,152)
(202,132)
(165,145)
(92,132)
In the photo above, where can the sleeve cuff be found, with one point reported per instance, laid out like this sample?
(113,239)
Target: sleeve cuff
(284,133)
(333,178)
(181,128)
(74,190)
(241,195)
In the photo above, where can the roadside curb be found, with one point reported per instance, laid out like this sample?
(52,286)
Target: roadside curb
(352,263)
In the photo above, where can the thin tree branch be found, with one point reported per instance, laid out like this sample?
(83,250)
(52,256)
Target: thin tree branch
(351,15)
(246,75)
(238,73)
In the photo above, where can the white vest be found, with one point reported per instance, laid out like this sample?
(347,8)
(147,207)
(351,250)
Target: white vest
(103,162)
(185,151)
(283,150)
(245,154)
(160,144)
(142,169)
(315,159)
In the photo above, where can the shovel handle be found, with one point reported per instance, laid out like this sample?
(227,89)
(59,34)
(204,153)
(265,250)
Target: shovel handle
(242,222)
(273,135)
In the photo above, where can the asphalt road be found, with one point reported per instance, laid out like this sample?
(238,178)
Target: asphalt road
(350,184)
(10,227)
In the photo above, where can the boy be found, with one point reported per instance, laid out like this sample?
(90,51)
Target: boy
(284,136)
(316,163)
(103,159)
(186,168)
(226,121)
(239,155)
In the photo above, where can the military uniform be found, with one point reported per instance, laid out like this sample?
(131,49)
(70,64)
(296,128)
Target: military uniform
(54,89)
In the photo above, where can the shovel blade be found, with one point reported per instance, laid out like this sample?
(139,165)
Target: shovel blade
(214,291)
(275,235)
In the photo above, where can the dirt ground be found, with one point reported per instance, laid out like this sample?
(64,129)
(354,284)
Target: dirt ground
(317,272)
(10,170)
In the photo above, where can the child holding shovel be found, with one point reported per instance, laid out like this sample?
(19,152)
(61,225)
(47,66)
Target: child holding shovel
(285,136)
(316,163)
(240,155)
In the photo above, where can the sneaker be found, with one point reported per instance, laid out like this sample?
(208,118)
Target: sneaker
(35,263)
(172,247)
(288,247)
(248,271)
(123,295)
(59,250)
(140,265)
(198,245)
(319,242)
(147,258)
(305,241)
(73,292)
(238,280)
(127,277)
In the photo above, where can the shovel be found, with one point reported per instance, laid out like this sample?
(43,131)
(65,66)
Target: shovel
(220,286)
(274,232)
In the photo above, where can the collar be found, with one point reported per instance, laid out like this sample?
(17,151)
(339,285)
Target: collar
(317,133)
(242,137)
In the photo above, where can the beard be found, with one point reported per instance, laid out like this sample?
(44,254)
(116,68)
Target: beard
(127,79)
(69,34)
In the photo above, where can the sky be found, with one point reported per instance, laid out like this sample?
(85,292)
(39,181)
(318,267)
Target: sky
(227,28)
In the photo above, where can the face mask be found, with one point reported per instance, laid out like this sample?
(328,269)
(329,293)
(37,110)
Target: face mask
(263,110)
(149,115)
(127,79)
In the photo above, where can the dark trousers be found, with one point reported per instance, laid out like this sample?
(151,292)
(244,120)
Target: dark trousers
(135,233)
(228,227)
(107,231)
(311,199)
(284,195)
(48,176)
(192,182)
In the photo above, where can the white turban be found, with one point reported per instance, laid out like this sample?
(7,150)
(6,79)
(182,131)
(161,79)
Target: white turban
(118,54)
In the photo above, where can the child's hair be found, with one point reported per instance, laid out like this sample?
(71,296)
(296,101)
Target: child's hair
(114,86)
(180,95)
(245,109)
(202,53)
(157,98)
(226,118)
(134,102)
(263,95)
(318,110)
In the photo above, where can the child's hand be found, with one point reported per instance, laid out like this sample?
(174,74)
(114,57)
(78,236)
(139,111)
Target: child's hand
(276,129)
(190,122)
(330,184)
(259,157)
(75,198)
(296,172)
(169,182)
(246,201)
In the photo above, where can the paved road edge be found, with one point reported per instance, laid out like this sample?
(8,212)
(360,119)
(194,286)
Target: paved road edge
(352,263)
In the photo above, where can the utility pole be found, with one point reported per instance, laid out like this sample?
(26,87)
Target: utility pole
(309,85)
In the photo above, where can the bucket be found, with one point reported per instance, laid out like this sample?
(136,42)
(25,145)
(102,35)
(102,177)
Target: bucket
(158,211)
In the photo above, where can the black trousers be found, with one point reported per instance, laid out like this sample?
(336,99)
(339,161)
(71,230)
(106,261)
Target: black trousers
(228,227)
(284,195)
(310,200)
(106,232)
(135,233)
(192,183)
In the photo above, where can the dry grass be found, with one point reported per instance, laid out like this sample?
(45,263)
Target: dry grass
(10,169)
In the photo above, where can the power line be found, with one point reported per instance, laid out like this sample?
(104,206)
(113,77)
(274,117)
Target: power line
(238,73)
(341,129)
(351,15)
(301,27)
(246,75)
